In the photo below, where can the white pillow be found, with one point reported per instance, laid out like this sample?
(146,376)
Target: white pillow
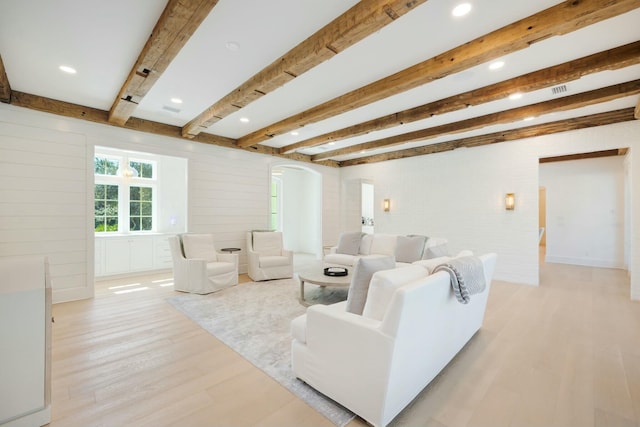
(384,244)
(384,284)
(364,270)
(409,248)
(349,243)
(365,244)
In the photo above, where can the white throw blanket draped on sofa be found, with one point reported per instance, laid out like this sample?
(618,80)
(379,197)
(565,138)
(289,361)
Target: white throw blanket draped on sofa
(467,277)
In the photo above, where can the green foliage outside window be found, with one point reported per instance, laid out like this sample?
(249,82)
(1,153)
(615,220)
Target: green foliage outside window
(140,208)
(145,170)
(105,166)
(106,208)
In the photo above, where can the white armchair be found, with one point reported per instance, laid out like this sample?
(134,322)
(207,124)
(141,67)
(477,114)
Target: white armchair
(198,267)
(266,257)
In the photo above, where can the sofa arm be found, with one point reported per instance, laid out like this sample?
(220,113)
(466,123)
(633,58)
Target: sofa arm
(347,358)
(329,328)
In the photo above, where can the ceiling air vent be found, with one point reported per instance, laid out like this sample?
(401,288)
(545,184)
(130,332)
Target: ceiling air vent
(172,109)
(559,89)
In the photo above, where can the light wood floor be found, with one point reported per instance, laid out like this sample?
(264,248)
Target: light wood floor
(566,353)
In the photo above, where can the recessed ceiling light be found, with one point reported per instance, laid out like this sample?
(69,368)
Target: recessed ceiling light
(496,65)
(461,9)
(232,46)
(244,119)
(294,133)
(176,100)
(526,119)
(515,96)
(67,69)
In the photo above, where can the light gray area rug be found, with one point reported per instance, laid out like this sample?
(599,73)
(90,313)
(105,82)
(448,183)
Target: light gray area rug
(254,318)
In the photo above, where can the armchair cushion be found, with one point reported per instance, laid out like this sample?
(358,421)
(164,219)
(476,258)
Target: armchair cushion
(410,248)
(365,267)
(384,284)
(267,243)
(273,261)
(349,243)
(217,268)
(199,246)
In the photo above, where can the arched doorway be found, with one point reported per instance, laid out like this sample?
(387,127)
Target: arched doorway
(296,207)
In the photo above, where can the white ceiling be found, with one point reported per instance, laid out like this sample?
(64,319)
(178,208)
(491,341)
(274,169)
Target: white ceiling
(102,40)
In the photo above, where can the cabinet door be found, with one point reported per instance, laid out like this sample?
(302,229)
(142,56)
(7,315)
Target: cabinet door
(141,253)
(116,258)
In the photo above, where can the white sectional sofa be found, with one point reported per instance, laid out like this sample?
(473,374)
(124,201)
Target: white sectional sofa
(376,363)
(405,249)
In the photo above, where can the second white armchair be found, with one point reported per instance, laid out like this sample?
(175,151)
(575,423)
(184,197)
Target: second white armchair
(266,257)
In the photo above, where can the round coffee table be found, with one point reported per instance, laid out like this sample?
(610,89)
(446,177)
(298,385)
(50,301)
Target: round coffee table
(316,276)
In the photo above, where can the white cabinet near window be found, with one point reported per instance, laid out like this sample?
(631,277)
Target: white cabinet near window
(123,254)
(130,254)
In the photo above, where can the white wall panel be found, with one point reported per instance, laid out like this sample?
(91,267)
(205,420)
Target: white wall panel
(44,200)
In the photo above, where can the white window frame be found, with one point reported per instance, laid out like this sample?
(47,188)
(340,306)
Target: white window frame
(124,184)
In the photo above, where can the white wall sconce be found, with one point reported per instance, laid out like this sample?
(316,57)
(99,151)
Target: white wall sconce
(386,205)
(510,201)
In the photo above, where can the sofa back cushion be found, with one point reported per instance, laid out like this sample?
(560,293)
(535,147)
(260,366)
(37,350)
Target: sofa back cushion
(364,270)
(382,286)
(435,247)
(409,248)
(365,244)
(349,243)
(267,242)
(199,246)
(384,244)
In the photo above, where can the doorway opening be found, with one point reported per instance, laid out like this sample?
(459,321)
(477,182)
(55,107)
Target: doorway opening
(296,208)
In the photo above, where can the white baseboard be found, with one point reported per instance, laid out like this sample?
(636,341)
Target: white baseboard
(71,294)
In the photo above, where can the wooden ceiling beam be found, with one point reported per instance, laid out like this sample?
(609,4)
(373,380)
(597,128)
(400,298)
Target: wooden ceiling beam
(571,102)
(593,120)
(5,88)
(581,156)
(612,59)
(563,18)
(75,111)
(179,20)
(636,113)
(362,20)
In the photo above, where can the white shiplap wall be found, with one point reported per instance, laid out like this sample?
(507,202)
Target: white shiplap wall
(44,202)
(460,195)
(228,190)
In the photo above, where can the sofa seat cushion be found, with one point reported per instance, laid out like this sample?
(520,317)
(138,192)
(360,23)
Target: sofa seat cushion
(384,284)
(273,261)
(216,268)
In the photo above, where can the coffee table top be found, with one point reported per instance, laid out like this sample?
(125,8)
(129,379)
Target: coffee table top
(316,275)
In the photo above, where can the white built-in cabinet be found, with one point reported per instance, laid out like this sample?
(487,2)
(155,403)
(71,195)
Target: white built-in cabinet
(131,254)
